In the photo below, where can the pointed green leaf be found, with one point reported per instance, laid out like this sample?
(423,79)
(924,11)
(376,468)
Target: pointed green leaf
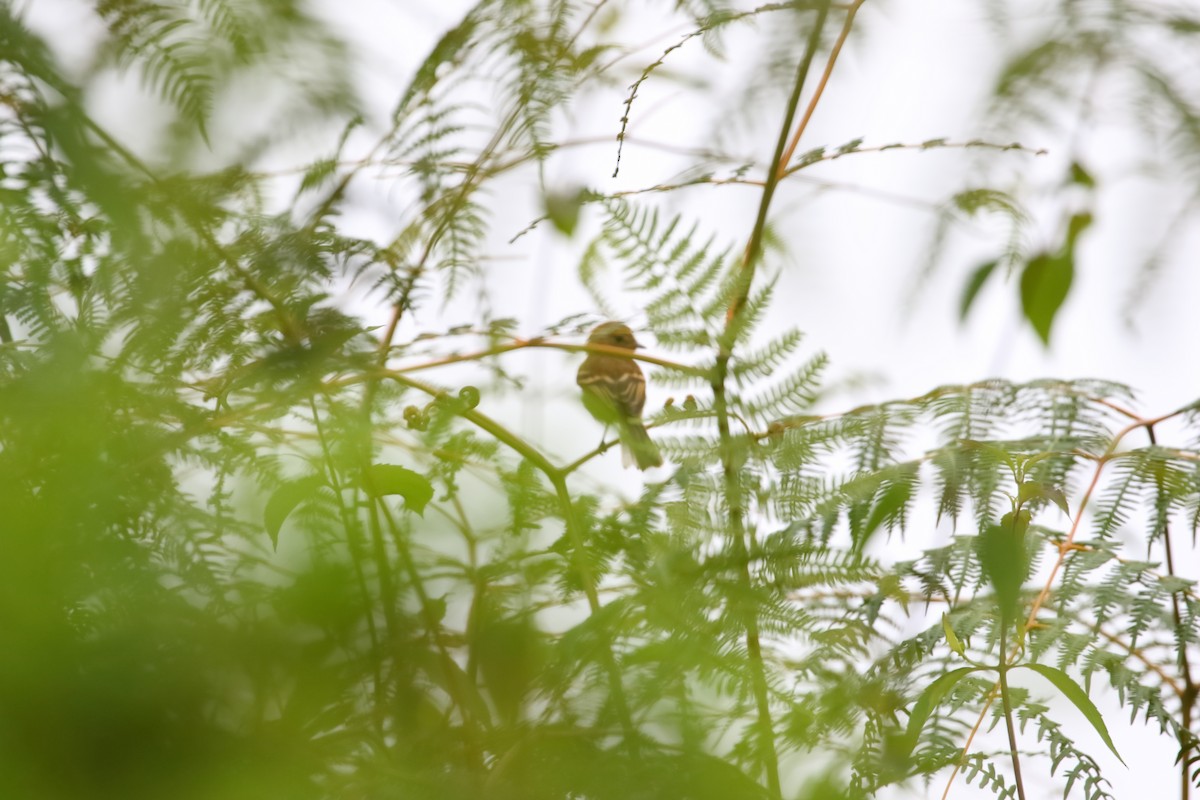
(1185,25)
(284,501)
(928,701)
(1076,226)
(1002,554)
(1075,693)
(385,479)
(705,777)
(445,673)
(974,284)
(951,637)
(1031,490)
(562,209)
(1045,282)
(1081,176)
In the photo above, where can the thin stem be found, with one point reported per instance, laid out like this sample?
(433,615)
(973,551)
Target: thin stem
(1189,694)
(473,751)
(356,556)
(382,564)
(601,449)
(575,534)
(558,478)
(478,582)
(1006,700)
(1068,545)
(781,163)
(521,344)
(729,462)
(991,698)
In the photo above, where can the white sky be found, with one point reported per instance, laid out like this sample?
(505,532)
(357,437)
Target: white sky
(921,74)
(913,71)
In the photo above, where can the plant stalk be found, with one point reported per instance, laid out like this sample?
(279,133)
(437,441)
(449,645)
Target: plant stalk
(1187,699)
(729,466)
(1008,713)
(558,478)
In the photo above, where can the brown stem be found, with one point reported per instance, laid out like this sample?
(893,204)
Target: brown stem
(1188,696)
(781,163)
(1067,545)
(521,344)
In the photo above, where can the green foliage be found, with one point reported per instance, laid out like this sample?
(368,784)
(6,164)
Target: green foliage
(267,532)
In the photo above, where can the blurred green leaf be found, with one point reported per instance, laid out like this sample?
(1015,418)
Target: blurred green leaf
(1002,554)
(974,284)
(1078,223)
(415,488)
(1031,490)
(951,638)
(890,504)
(1045,283)
(563,208)
(283,502)
(1081,176)
(928,701)
(510,654)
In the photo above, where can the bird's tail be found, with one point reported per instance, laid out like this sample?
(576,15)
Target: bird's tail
(638,448)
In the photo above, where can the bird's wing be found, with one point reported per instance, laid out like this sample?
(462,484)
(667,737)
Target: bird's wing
(624,392)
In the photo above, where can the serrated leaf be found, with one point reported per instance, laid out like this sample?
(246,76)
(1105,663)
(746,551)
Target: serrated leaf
(888,507)
(1075,693)
(972,201)
(849,147)
(588,56)
(972,287)
(1173,583)
(385,479)
(283,502)
(1045,283)
(317,173)
(811,157)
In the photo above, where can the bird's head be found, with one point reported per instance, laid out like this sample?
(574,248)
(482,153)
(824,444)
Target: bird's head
(613,334)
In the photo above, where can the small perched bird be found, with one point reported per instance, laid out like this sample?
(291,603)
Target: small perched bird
(614,391)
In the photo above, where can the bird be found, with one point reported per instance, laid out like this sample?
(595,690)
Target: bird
(614,391)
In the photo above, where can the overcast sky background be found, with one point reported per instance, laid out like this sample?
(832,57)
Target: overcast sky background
(911,72)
